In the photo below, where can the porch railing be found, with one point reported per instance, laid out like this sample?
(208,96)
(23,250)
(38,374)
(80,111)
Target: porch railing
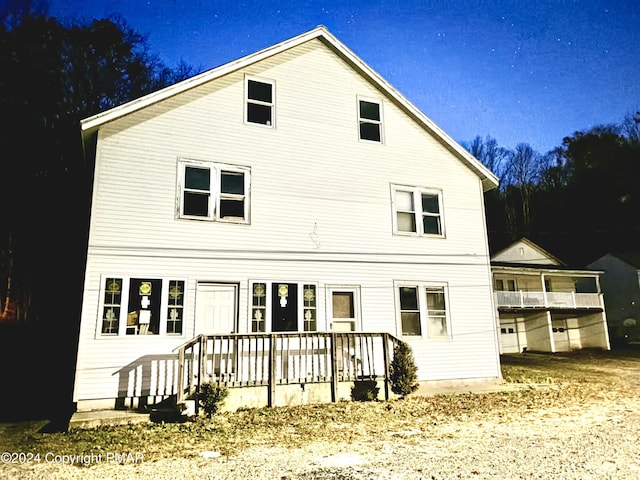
(272,359)
(523,299)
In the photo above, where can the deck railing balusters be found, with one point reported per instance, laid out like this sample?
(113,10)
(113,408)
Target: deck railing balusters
(263,359)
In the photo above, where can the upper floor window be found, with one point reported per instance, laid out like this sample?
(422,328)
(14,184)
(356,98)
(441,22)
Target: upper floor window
(370,120)
(505,284)
(423,307)
(260,102)
(213,191)
(142,306)
(417,211)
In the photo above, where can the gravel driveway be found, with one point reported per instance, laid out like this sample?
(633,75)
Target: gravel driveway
(587,426)
(597,440)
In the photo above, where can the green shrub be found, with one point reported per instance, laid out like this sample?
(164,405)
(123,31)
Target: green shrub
(364,391)
(211,397)
(403,372)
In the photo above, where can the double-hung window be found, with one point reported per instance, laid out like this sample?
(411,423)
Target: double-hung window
(370,120)
(213,191)
(142,306)
(422,308)
(417,211)
(260,102)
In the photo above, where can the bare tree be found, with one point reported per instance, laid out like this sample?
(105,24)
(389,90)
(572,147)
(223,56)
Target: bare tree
(523,173)
(631,127)
(490,154)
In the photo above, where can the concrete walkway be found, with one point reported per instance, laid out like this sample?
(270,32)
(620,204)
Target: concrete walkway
(97,418)
(428,390)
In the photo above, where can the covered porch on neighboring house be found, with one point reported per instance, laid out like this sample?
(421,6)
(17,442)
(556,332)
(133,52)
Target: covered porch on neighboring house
(277,369)
(549,309)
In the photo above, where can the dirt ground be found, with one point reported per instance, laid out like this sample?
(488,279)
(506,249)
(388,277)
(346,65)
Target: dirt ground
(577,418)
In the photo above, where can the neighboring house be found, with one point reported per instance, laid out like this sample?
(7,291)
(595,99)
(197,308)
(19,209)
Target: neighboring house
(621,287)
(275,224)
(545,306)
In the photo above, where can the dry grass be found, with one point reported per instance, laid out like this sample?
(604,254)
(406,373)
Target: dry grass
(569,379)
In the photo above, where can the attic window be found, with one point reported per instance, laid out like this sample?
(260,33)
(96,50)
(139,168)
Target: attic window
(370,120)
(260,102)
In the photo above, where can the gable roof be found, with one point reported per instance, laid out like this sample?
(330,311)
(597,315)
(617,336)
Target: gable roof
(630,258)
(91,124)
(543,257)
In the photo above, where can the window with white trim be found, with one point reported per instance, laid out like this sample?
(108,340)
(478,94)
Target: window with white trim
(505,284)
(436,312)
(259,102)
(370,120)
(417,211)
(142,306)
(423,308)
(283,307)
(213,191)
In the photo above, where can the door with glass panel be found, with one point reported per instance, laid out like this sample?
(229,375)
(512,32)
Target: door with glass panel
(343,308)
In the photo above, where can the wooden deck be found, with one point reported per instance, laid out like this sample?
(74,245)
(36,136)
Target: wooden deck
(272,359)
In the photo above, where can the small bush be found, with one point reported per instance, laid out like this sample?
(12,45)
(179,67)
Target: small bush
(403,371)
(211,397)
(364,391)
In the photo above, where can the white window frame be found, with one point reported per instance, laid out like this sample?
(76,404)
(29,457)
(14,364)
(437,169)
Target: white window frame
(124,303)
(215,195)
(423,309)
(356,320)
(269,285)
(271,105)
(504,281)
(416,193)
(379,122)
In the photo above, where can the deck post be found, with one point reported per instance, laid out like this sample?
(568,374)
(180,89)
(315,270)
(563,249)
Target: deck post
(180,390)
(334,368)
(202,363)
(271,395)
(385,354)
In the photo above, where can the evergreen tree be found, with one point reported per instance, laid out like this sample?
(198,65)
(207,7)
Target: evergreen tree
(403,371)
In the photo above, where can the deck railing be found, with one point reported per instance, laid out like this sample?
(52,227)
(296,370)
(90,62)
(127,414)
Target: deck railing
(523,299)
(271,359)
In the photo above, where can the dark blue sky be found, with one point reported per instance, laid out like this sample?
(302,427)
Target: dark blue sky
(520,71)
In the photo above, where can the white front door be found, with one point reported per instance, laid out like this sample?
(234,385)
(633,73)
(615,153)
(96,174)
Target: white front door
(216,307)
(344,308)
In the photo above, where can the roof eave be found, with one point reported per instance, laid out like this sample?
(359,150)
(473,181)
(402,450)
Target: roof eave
(91,124)
(536,270)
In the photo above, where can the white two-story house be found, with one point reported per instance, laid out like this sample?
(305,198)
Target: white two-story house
(543,304)
(278,223)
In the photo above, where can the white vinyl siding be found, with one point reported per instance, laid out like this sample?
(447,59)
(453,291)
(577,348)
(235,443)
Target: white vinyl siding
(319,214)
